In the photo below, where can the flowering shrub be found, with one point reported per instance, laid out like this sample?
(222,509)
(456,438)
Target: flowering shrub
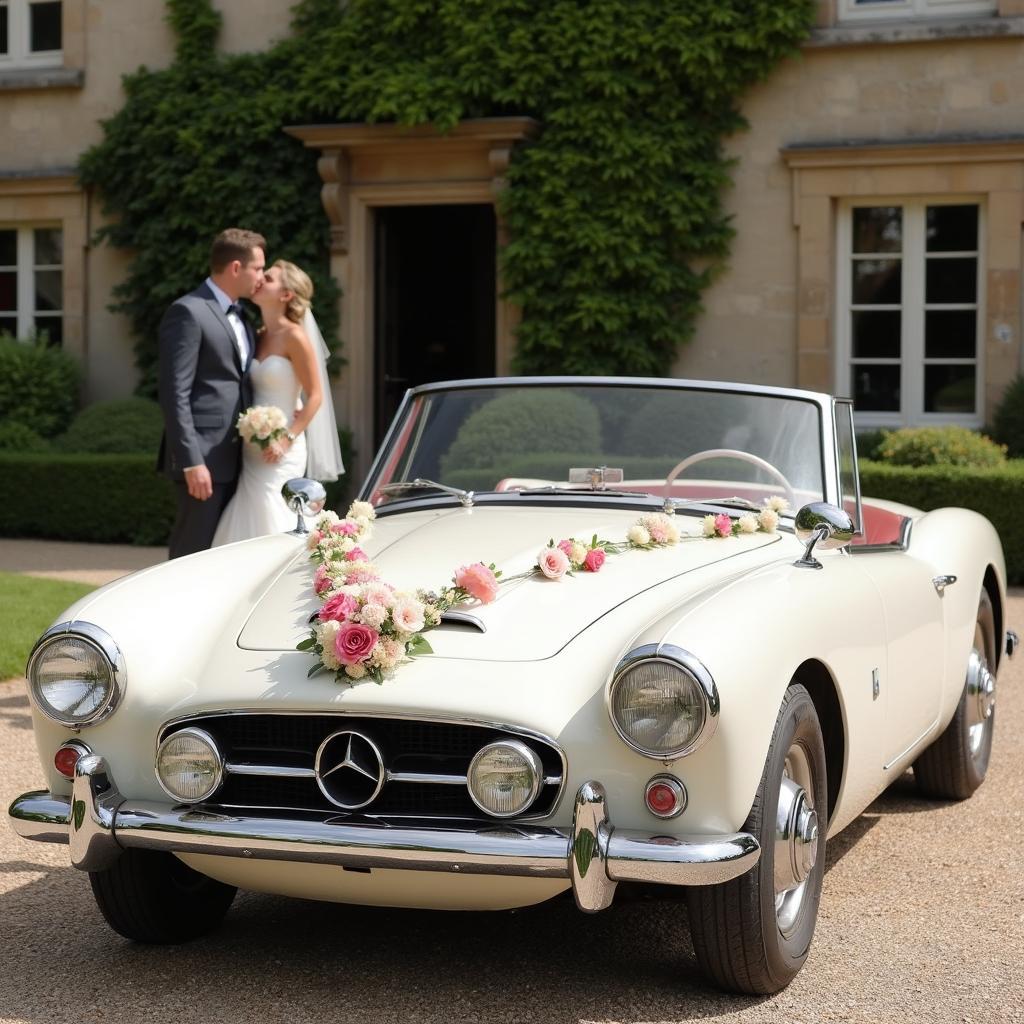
(366,627)
(939,446)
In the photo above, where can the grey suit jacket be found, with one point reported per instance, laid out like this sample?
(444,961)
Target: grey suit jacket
(203,387)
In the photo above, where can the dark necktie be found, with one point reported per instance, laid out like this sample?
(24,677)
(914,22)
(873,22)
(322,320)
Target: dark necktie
(237,310)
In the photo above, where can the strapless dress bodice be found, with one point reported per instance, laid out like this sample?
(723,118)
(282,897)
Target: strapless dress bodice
(274,383)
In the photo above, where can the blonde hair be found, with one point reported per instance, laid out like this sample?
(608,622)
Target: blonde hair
(297,281)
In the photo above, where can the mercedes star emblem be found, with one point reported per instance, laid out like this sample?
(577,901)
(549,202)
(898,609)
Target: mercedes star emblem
(349,770)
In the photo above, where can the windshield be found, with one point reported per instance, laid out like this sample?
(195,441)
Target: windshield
(524,437)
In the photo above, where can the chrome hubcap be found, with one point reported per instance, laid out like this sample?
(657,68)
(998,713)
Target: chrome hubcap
(796,838)
(981,694)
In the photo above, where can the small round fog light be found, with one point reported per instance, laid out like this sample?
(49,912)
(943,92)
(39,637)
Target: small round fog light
(189,766)
(504,778)
(665,796)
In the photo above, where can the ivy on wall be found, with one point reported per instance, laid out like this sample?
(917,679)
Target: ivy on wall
(615,211)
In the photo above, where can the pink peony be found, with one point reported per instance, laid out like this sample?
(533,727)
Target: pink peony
(553,562)
(346,528)
(338,608)
(321,581)
(723,525)
(478,581)
(354,643)
(594,560)
(357,555)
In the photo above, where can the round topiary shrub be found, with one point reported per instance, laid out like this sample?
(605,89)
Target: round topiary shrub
(38,385)
(1008,422)
(19,437)
(939,446)
(538,420)
(120,425)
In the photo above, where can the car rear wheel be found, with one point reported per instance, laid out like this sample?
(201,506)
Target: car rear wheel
(752,934)
(152,897)
(955,765)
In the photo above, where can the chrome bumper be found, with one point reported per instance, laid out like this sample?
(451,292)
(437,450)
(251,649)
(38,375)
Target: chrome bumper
(99,823)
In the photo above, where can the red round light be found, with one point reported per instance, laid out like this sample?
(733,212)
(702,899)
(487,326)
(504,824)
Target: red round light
(661,798)
(65,760)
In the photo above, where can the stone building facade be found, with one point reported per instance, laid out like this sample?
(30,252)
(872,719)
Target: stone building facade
(878,200)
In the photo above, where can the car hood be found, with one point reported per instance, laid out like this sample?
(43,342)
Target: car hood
(532,618)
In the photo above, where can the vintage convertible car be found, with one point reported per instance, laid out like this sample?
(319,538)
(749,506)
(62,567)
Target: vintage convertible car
(660,640)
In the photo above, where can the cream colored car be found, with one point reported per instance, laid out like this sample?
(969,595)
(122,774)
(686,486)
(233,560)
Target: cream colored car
(699,713)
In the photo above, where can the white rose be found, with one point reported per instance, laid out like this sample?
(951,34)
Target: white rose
(748,523)
(708,526)
(638,535)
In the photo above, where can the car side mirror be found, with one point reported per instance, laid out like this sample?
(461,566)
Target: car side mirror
(305,498)
(820,523)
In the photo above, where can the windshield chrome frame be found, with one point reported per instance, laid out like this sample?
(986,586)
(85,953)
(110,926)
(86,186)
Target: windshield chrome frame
(828,438)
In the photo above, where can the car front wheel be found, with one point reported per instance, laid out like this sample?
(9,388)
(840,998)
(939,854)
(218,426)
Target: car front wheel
(752,934)
(152,897)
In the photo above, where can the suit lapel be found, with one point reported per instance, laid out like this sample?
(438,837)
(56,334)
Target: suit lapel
(225,323)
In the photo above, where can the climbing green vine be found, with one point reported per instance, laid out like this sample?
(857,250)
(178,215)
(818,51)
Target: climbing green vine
(615,211)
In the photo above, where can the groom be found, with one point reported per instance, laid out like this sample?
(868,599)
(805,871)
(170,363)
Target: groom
(206,346)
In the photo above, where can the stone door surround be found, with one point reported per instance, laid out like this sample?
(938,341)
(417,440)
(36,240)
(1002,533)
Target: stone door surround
(364,166)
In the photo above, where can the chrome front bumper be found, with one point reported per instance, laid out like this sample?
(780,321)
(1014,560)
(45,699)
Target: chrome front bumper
(99,823)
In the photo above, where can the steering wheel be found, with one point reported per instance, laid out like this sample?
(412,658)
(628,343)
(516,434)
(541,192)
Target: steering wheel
(730,453)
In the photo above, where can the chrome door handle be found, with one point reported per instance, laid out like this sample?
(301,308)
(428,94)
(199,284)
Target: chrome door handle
(941,582)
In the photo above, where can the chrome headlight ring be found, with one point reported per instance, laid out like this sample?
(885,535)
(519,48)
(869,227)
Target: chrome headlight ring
(102,643)
(685,662)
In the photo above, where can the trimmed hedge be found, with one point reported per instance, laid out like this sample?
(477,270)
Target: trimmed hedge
(121,425)
(997,493)
(104,498)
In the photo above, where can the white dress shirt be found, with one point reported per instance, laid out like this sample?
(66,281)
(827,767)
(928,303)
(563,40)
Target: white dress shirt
(241,338)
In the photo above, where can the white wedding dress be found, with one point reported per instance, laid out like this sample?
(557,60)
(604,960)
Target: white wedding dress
(257,507)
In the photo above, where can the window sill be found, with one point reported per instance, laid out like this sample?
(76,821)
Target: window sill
(41,78)
(921,30)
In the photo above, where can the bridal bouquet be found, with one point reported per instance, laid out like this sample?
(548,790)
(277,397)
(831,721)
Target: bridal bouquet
(263,425)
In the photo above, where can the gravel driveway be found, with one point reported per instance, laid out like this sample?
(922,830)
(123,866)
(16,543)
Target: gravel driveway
(922,919)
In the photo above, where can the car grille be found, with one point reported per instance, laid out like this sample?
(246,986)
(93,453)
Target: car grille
(270,760)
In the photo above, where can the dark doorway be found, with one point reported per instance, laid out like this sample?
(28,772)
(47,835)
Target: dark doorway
(434,301)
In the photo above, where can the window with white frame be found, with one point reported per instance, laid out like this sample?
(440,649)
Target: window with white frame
(32,282)
(31,34)
(909,312)
(868,10)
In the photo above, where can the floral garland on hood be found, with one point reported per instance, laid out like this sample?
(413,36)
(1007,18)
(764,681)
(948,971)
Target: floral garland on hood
(365,627)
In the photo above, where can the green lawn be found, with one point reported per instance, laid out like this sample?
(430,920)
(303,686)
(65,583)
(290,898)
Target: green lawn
(27,607)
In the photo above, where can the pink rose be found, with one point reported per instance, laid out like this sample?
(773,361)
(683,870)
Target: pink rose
(723,525)
(321,581)
(478,581)
(356,555)
(338,608)
(354,643)
(553,562)
(594,560)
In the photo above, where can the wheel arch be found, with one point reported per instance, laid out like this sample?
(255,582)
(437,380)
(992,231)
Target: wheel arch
(815,677)
(991,585)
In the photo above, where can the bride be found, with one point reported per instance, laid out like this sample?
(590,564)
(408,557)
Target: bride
(291,356)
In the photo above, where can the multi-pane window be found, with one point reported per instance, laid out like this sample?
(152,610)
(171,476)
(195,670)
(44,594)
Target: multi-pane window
(30,33)
(909,312)
(32,282)
(866,10)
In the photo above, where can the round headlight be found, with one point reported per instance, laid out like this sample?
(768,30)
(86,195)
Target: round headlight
(189,765)
(75,674)
(504,778)
(663,702)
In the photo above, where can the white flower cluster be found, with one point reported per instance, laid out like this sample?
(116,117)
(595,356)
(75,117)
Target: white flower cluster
(262,424)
